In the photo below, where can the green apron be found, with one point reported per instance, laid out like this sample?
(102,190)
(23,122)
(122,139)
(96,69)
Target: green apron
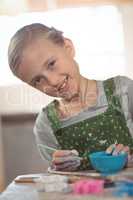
(95,133)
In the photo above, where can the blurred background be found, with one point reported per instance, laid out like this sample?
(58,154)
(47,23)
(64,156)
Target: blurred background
(102,32)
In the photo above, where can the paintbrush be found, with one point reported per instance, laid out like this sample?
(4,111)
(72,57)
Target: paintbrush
(54,149)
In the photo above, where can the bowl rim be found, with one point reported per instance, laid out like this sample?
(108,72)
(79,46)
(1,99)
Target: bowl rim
(98,154)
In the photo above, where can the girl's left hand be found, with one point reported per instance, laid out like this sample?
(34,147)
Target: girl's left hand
(116,149)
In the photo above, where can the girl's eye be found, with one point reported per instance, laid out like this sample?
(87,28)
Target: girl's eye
(37,81)
(51,64)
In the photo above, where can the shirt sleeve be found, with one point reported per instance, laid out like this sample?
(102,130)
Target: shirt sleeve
(44,135)
(124,89)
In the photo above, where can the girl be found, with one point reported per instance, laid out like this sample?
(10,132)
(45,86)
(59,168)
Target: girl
(89,115)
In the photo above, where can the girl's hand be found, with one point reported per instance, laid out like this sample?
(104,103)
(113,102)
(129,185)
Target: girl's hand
(116,149)
(65,160)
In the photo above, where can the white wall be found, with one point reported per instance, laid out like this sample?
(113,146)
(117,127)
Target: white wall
(127,17)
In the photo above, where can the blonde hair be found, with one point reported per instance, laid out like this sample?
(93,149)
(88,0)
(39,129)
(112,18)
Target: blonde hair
(25,36)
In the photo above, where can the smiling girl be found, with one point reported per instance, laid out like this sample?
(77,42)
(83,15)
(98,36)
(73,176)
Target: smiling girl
(87,115)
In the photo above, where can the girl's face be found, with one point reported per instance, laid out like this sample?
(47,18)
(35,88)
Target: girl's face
(50,68)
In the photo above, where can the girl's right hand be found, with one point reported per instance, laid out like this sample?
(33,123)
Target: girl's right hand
(65,160)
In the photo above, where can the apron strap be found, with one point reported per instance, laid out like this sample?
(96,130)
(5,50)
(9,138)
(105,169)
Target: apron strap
(53,115)
(112,98)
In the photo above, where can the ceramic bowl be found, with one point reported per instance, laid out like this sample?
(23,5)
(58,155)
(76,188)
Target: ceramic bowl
(107,163)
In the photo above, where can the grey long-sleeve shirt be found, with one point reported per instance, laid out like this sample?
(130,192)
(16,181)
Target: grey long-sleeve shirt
(44,133)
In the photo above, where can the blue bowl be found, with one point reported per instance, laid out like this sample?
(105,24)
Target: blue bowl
(107,163)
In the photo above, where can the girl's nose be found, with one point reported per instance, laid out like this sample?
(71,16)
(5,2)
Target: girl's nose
(53,81)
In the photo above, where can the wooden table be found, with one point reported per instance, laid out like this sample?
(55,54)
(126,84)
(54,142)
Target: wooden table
(28,191)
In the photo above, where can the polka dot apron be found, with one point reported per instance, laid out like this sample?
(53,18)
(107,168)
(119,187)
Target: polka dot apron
(95,133)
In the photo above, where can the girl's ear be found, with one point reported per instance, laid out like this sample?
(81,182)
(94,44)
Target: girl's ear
(69,47)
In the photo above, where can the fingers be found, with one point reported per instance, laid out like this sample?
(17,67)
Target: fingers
(65,160)
(58,160)
(61,153)
(126,149)
(68,165)
(75,152)
(110,149)
(71,165)
(116,149)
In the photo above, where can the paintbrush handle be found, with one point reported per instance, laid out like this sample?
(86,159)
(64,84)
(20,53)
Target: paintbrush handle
(47,147)
(53,149)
